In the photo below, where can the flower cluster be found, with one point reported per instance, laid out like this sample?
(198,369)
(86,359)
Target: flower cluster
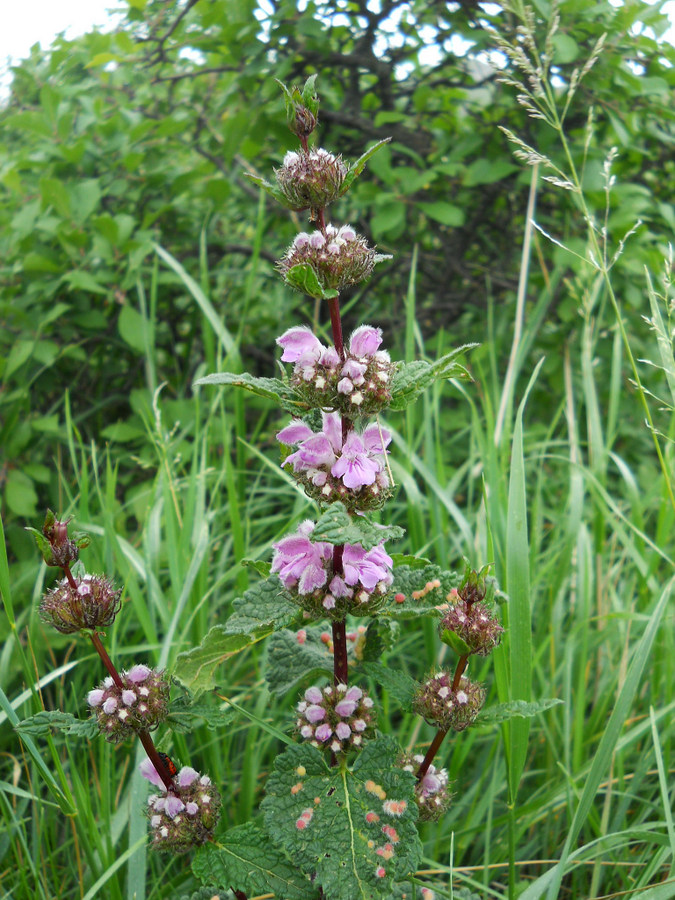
(359,384)
(432,793)
(305,569)
(311,180)
(185,816)
(437,702)
(140,704)
(475,624)
(337,256)
(330,469)
(93,603)
(336,717)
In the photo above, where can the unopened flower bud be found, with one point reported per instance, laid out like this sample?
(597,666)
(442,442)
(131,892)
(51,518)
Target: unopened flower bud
(141,704)
(92,604)
(440,705)
(311,180)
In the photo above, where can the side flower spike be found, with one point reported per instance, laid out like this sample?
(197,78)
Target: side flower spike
(185,817)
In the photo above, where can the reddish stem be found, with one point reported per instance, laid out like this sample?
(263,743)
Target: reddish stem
(321,219)
(157,761)
(336,324)
(69,576)
(107,662)
(431,752)
(459,671)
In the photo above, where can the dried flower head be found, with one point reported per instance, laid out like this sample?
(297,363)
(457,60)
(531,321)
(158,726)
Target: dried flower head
(305,568)
(432,793)
(474,624)
(312,179)
(358,385)
(445,708)
(140,704)
(337,718)
(93,603)
(185,816)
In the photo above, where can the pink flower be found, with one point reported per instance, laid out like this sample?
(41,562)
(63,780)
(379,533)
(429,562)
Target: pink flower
(187,776)
(355,467)
(150,772)
(299,562)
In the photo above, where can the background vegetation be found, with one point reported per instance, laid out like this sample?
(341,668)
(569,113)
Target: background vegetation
(137,256)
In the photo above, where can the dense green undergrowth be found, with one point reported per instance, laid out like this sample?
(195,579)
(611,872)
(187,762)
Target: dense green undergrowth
(179,487)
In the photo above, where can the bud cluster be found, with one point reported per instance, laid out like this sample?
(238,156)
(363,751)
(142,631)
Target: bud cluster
(358,385)
(353,471)
(445,708)
(141,704)
(336,717)
(312,179)
(91,604)
(475,624)
(338,257)
(305,569)
(185,816)
(432,792)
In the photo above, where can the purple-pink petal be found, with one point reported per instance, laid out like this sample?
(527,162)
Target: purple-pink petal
(138,673)
(294,433)
(345,386)
(374,441)
(187,776)
(95,697)
(148,771)
(345,707)
(365,340)
(315,714)
(332,428)
(342,730)
(299,342)
(313,695)
(323,732)
(173,806)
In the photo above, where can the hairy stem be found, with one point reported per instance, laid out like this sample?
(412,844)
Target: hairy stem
(431,752)
(105,659)
(459,671)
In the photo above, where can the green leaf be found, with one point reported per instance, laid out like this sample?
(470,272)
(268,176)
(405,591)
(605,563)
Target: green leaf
(356,168)
(289,660)
(408,581)
(304,279)
(20,494)
(488,171)
(412,378)
(270,388)
(258,565)
(244,856)
(502,712)
(394,681)
(272,189)
(85,197)
(445,213)
(196,668)
(318,814)
(407,559)
(83,281)
(50,721)
(43,544)
(454,641)
(132,328)
(185,715)
(264,608)
(381,636)
(336,526)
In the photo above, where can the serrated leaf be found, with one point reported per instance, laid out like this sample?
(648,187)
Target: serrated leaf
(303,278)
(245,857)
(51,721)
(410,379)
(196,668)
(502,712)
(410,581)
(43,544)
(290,660)
(336,526)
(358,167)
(394,681)
(318,814)
(264,608)
(454,641)
(270,388)
(185,715)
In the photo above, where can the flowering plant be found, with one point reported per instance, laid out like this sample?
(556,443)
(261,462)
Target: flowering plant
(339,819)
